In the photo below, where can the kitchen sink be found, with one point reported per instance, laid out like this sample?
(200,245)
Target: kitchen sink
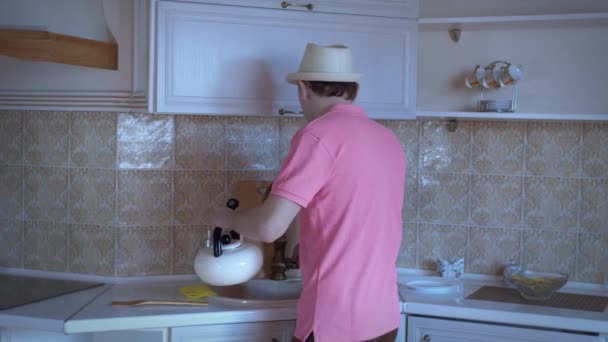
(264,292)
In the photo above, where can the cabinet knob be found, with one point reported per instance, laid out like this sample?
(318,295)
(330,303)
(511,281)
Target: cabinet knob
(286,4)
(274,340)
(283,111)
(426,338)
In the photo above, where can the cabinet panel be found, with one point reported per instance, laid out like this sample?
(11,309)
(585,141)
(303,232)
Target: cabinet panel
(423,329)
(386,8)
(254,332)
(233,60)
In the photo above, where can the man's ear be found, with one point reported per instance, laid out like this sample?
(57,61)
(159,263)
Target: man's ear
(303,90)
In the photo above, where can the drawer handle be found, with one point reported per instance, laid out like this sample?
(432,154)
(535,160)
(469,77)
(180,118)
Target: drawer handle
(426,338)
(286,4)
(283,111)
(274,340)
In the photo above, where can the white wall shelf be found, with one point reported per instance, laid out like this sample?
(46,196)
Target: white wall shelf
(501,21)
(512,116)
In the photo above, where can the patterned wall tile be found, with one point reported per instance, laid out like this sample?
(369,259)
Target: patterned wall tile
(439,241)
(595,150)
(553,149)
(46,138)
(408,133)
(594,205)
(45,247)
(490,249)
(198,194)
(187,240)
(593,258)
(145,141)
(287,129)
(444,151)
(11,243)
(143,251)
(46,194)
(410,205)
(498,148)
(11,192)
(11,138)
(92,196)
(409,243)
(496,201)
(93,140)
(200,142)
(92,249)
(549,251)
(444,198)
(144,197)
(551,203)
(253,143)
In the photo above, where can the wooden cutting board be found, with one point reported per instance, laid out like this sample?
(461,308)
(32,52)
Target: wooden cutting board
(250,193)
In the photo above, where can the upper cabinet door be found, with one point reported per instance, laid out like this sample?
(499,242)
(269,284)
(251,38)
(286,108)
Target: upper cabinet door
(215,59)
(385,8)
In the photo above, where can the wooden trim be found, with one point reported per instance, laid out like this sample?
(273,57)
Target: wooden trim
(59,48)
(73,101)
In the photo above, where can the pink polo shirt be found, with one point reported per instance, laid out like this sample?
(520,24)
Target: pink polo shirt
(347,172)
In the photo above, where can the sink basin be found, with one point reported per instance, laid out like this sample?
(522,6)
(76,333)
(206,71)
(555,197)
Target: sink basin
(264,292)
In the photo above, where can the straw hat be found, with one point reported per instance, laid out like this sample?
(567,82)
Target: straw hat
(325,63)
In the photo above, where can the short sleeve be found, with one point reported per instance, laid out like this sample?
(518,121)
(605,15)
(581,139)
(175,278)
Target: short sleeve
(305,171)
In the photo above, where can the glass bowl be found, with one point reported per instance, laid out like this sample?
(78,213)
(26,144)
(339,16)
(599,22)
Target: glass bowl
(537,285)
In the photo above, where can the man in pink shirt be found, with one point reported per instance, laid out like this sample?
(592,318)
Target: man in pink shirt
(345,175)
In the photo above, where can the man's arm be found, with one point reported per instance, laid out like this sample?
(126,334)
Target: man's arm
(266,223)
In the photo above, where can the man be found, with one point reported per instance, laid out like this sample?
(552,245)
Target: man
(346,174)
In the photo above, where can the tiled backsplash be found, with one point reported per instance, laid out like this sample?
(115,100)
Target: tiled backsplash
(130,194)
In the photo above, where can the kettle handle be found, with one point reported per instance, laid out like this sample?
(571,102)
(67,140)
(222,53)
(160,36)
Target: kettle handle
(232,203)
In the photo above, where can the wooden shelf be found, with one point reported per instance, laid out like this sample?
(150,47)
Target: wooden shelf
(513,116)
(450,22)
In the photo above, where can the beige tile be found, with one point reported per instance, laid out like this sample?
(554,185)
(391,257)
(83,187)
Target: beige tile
(45,246)
(11,243)
(496,201)
(11,192)
(444,198)
(440,241)
(93,140)
(595,150)
(410,205)
(409,243)
(143,251)
(200,142)
(552,149)
(549,251)
(92,249)
(408,133)
(187,240)
(92,196)
(551,203)
(498,148)
(592,264)
(287,129)
(444,151)
(237,176)
(144,197)
(11,137)
(198,194)
(490,249)
(253,143)
(45,138)
(46,194)
(594,206)
(145,141)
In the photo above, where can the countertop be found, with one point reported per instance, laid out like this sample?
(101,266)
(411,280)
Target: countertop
(90,310)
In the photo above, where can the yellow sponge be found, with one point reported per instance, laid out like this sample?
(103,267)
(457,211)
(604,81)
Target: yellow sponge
(196,291)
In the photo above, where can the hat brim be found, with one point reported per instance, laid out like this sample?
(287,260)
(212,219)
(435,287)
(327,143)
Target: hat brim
(322,77)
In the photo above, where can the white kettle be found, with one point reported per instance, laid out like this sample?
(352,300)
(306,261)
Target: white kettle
(227,259)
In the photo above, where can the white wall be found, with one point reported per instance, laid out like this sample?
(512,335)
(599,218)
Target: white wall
(565,69)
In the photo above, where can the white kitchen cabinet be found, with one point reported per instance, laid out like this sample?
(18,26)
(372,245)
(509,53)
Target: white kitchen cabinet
(425,329)
(264,331)
(31,335)
(385,8)
(217,59)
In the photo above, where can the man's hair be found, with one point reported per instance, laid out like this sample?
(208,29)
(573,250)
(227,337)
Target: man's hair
(328,89)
